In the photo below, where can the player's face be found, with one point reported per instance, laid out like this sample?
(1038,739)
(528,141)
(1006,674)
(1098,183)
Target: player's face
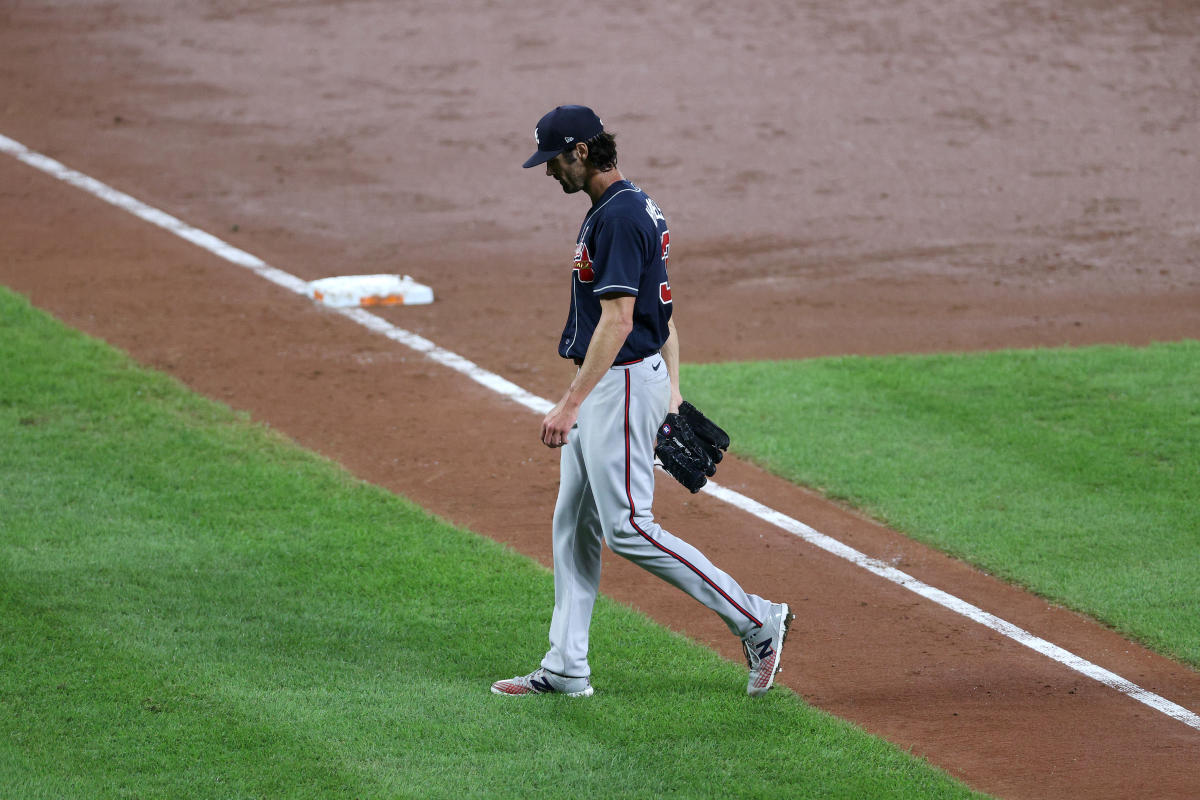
(568,169)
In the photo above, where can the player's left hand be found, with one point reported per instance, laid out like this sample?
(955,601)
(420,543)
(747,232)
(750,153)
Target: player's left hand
(712,437)
(681,453)
(690,446)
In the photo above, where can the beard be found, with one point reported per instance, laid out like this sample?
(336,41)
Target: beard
(569,186)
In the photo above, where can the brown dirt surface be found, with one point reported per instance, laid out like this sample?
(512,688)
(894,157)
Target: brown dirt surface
(842,178)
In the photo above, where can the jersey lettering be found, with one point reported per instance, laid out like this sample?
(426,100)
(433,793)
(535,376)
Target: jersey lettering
(654,211)
(664,292)
(666,246)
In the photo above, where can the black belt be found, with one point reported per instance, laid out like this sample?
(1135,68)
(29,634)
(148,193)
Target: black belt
(579,361)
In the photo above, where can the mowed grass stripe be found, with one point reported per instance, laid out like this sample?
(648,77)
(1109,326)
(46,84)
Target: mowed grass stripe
(1073,472)
(192,606)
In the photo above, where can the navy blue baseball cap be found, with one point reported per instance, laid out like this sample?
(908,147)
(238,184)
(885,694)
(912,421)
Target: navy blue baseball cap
(561,129)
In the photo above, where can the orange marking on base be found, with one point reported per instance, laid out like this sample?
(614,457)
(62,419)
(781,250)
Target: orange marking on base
(389,300)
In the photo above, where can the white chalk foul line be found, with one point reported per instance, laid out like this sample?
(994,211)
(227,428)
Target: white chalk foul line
(510,390)
(286,280)
(972,612)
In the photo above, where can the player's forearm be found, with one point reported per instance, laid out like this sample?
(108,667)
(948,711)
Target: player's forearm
(670,354)
(611,332)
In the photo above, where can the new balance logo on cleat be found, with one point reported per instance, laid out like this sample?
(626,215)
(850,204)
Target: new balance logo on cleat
(540,682)
(764,647)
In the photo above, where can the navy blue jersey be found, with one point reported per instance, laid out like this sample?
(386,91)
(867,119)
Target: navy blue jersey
(621,250)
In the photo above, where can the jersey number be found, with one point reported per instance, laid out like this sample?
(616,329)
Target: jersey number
(664,288)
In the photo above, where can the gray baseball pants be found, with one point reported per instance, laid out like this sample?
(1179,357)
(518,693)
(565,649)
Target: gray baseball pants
(606,490)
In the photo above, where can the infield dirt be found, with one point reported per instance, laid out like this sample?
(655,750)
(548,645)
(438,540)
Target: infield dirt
(845,178)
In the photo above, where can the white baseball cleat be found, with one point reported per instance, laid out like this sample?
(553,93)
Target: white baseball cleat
(541,681)
(764,648)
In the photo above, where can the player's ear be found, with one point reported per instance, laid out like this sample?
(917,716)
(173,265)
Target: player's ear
(581,150)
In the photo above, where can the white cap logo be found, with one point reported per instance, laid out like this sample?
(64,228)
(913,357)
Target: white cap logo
(536,140)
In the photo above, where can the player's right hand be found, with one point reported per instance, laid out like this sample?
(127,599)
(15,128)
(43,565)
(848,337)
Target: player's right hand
(558,423)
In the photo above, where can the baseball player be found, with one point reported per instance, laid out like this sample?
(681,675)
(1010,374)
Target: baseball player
(609,421)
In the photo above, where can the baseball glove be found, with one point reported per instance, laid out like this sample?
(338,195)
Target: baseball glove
(711,436)
(689,446)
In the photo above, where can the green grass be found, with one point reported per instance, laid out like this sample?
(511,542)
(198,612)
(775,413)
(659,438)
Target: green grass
(191,606)
(1073,472)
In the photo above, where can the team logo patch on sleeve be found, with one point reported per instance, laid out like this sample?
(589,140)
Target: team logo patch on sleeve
(583,263)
